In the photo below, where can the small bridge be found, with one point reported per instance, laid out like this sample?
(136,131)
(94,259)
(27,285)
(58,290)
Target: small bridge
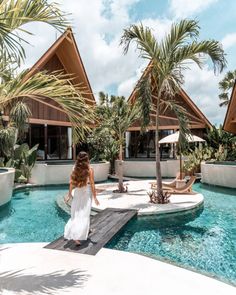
(104,226)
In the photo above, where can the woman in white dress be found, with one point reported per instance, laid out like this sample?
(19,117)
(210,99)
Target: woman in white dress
(82,189)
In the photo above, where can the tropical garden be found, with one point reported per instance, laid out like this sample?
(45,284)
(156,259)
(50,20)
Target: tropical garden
(161,82)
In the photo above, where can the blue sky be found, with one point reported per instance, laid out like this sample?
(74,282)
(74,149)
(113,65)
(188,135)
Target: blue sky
(98,26)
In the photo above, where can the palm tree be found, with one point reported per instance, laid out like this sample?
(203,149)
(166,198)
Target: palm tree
(164,77)
(118,115)
(226,85)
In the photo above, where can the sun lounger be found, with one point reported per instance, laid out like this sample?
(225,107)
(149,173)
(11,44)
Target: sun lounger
(168,183)
(187,188)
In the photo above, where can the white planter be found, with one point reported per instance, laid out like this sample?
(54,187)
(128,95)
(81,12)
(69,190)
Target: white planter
(137,168)
(7,176)
(44,173)
(219,174)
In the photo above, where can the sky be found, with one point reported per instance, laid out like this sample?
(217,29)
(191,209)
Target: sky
(98,26)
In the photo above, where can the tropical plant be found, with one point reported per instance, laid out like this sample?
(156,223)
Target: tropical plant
(195,157)
(165,74)
(216,136)
(23,160)
(102,145)
(123,115)
(226,85)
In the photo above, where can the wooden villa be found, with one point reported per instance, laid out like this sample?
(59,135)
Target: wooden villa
(230,117)
(49,125)
(140,145)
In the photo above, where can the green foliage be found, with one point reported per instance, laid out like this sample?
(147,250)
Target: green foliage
(7,141)
(102,146)
(23,160)
(193,163)
(217,136)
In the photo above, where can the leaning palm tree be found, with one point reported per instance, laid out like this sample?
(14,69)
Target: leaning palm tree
(16,89)
(164,76)
(122,116)
(226,85)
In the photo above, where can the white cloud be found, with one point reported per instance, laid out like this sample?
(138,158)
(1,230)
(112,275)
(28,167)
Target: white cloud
(202,87)
(229,40)
(183,8)
(98,27)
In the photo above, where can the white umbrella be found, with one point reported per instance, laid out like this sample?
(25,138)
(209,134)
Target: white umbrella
(174,138)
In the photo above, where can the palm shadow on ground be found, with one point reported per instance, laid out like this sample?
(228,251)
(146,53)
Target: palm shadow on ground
(19,281)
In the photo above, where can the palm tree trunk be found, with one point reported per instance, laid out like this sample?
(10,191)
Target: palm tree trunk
(158,158)
(120,170)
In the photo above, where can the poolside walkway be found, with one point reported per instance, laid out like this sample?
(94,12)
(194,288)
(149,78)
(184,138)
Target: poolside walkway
(104,226)
(30,269)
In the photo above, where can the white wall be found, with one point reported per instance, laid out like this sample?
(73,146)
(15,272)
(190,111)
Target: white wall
(143,168)
(6,185)
(216,174)
(43,173)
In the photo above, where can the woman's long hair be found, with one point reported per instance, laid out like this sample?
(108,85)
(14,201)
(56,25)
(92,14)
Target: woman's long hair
(80,174)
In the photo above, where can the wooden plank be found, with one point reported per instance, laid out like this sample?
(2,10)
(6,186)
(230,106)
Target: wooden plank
(104,226)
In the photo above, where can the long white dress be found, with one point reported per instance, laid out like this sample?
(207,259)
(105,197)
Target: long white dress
(77,228)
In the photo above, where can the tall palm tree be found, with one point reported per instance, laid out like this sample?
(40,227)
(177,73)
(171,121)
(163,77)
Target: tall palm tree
(226,85)
(164,77)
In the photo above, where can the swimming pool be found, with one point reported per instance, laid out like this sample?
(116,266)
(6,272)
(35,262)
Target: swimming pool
(202,241)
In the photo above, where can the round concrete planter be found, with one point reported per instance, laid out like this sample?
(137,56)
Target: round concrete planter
(7,176)
(219,174)
(44,173)
(137,168)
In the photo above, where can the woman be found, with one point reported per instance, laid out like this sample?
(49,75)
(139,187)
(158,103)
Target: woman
(82,189)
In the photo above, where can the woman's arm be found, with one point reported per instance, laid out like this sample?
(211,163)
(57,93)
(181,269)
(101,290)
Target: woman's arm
(69,196)
(91,180)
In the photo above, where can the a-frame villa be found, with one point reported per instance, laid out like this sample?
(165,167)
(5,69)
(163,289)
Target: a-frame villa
(142,145)
(230,117)
(49,125)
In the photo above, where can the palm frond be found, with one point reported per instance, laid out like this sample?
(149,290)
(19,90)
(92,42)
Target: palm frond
(16,13)
(144,90)
(57,87)
(144,39)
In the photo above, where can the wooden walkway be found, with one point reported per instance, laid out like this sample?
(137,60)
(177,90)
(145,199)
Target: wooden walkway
(104,226)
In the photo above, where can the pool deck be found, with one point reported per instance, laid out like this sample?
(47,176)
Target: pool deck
(138,199)
(31,269)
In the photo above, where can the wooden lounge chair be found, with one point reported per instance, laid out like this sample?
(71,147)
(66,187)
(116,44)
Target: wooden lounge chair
(171,184)
(187,188)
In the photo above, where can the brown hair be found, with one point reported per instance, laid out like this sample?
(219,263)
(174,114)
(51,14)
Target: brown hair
(80,174)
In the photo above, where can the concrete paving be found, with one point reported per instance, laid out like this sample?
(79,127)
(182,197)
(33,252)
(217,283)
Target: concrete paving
(30,269)
(137,198)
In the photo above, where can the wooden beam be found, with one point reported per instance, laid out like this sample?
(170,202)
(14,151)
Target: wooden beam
(167,127)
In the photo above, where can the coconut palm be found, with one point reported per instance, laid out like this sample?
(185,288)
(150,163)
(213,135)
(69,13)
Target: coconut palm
(165,74)
(226,85)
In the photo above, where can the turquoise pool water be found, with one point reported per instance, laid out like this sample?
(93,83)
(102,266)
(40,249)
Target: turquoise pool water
(202,240)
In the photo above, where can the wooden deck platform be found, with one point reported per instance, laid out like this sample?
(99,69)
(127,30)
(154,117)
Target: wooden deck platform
(104,226)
